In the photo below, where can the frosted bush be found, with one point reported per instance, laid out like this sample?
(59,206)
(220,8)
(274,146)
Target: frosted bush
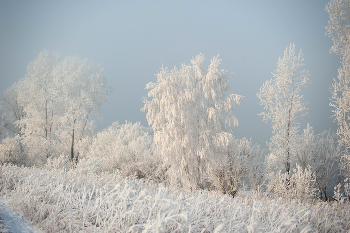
(83,146)
(300,184)
(342,189)
(303,181)
(338,192)
(347,188)
(61,162)
(128,148)
(321,153)
(89,165)
(11,151)
(240,160)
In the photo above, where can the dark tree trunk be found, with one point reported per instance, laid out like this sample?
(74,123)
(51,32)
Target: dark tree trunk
(72,148)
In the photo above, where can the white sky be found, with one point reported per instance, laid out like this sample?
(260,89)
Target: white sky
(132,39)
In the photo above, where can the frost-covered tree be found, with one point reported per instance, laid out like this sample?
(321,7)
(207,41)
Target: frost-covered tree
(339,25)
(51,107)
(12,151)
(282,99)
(339,30)
(320,153)
(13,111)
(81,94)
(11,147)
(300,183)
(189,112)
(1,125)
(37,95)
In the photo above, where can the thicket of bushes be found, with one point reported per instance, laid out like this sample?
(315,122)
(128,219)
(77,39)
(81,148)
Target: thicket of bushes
(130,150)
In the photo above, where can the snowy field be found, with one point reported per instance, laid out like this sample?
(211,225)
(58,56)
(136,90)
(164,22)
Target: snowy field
(12,221)
(56,200)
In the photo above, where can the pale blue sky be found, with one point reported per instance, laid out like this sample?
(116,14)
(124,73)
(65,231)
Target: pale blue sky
(132,39)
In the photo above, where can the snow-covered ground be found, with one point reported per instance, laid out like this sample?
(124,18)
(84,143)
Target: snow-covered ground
(12,221)
(58,200)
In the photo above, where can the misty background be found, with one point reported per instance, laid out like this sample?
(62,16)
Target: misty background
(132,39)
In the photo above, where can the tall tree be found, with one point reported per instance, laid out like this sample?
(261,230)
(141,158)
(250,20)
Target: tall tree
(281,97)
(320,154)
(58,99)
(11,147)
(37,95)
(13,111)
(189,112)
(339,30)
(82,93)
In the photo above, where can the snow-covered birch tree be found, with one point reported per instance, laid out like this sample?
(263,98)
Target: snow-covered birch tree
(284,104)
(57,99)
(11,144)
(189,112)
(82,93)
(12,111)
(37,95)
(319,153)
(339,30)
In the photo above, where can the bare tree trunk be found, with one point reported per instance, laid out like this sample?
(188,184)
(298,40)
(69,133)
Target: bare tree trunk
(72,147)
(288,137)
(46,127)
(325,194)
(76,158)
(46,120)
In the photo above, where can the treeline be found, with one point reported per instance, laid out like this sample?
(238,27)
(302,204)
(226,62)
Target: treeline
(189,143)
